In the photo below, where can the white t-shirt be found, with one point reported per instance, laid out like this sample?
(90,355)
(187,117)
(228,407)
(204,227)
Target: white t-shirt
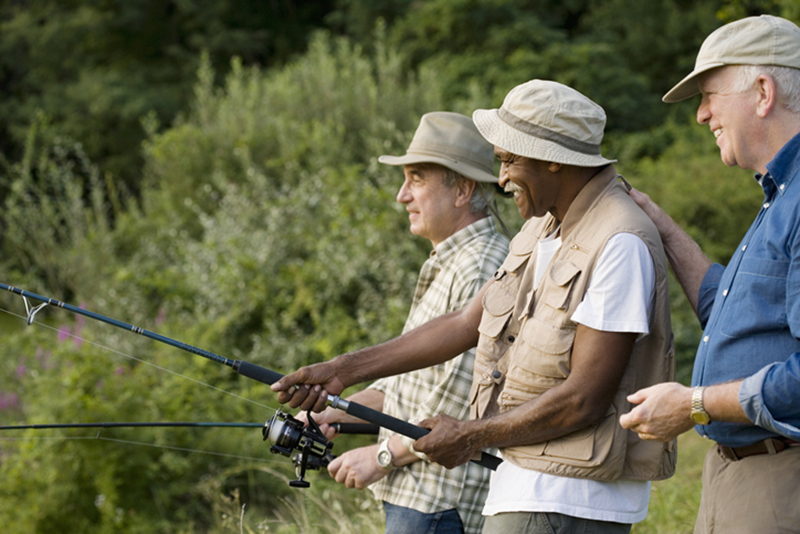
(619,299)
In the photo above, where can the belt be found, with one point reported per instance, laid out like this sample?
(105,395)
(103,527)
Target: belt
(768,446)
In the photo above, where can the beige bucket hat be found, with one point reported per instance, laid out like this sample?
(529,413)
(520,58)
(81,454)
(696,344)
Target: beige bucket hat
(451,140)
(762,40)
(547,121)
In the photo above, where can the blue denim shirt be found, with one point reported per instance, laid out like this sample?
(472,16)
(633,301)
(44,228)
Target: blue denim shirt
(750,312)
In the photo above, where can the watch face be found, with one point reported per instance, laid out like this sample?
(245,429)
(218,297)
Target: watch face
(384,459)
(700,418)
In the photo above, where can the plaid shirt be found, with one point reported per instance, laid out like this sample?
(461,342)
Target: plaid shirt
(454,273)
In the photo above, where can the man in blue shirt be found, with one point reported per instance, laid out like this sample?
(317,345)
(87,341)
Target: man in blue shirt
(746,381)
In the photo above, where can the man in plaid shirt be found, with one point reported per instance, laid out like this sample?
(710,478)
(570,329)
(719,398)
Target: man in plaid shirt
(448,192)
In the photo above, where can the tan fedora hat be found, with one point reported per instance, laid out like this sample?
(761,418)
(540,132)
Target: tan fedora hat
(763,40)
(451,140)
(547,121)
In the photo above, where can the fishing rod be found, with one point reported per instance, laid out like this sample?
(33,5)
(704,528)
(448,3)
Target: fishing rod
(339,428)
(284,432)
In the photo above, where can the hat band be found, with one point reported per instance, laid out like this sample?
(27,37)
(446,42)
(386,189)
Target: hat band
(452,154)
(548,135)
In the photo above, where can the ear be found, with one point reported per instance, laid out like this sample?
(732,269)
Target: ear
(767,95)
(553,167)
(464,190)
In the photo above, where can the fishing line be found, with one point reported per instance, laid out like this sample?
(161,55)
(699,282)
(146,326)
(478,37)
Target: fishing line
(145,362)
(98,437)
(286,433)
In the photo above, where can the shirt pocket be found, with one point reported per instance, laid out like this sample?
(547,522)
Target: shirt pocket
(761,307)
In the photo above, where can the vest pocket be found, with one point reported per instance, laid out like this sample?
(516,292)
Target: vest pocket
(585,447)
(498,303)
(563,275)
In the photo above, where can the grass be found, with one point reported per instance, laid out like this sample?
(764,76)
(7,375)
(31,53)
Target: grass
(674,502)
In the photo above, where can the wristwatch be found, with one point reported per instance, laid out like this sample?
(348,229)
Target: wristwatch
(699,415)
(385,455)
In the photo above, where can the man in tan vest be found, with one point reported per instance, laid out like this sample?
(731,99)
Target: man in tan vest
(575,319)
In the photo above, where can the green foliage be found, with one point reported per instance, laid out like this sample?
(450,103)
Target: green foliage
(262,233)
(95,67)
(263,227)
(280,187)
(58,214)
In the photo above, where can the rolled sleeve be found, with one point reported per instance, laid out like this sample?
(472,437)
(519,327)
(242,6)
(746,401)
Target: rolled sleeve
(771,397)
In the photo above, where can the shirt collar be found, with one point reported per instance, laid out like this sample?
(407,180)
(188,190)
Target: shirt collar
(782,169)
(450,245)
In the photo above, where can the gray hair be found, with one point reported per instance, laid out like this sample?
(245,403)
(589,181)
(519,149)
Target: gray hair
(482,199)
(787,81)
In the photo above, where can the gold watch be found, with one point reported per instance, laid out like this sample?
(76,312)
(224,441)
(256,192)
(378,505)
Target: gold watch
(385,456)
(699,415)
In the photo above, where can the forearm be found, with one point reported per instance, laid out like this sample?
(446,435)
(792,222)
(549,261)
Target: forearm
(432,343)
(688,262)
(721,401)
(556,413)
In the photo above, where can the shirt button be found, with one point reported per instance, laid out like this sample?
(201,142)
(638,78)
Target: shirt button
(783,186)
(705,339)
(744,248)
(766,205)
(725,293)
(511,339)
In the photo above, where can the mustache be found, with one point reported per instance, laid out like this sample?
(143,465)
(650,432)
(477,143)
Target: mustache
(511,187)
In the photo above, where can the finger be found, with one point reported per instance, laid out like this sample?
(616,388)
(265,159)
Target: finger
(327,431)
(334,466)
(343,477)
(638,397)
(288,381)
(322,400)
(298,395)
(427,423)
(310,397)
(627,420)
(286,397)
(419,446)
(302,417)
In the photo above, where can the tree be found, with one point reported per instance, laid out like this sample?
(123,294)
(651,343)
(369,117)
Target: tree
(96,67)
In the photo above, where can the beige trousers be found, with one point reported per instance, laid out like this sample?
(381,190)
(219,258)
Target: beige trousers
(755,495)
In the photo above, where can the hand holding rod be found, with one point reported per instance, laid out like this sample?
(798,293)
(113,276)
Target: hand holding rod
(267,376)
(250,370)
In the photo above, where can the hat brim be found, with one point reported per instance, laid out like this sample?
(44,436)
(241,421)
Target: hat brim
(501,134)
(463,168)
(688,86)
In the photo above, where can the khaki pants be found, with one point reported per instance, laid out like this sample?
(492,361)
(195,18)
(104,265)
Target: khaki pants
(757,494)
(548,523)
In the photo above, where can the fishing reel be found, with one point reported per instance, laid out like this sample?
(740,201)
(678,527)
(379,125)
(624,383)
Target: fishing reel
(287,434)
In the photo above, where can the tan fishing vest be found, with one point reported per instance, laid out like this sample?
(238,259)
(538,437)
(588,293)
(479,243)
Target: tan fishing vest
(526,338)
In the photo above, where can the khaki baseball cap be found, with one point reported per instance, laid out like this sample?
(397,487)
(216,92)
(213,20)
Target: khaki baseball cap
(547,121)
(763,40)
(451,140)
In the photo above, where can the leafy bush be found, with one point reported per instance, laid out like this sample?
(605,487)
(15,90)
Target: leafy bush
(265,231)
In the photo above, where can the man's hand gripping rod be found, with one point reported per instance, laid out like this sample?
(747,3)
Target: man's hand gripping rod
(267,376)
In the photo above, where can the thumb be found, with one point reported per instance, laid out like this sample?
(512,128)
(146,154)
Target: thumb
(638,397)
(289,380)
